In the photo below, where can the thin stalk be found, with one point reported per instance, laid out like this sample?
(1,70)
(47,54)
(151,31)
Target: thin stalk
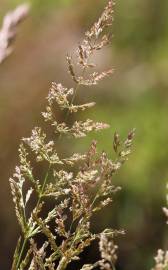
(75,92)
(62,264)
(44,184)
(38,202)
(72,100)
(21,252)
(113,266)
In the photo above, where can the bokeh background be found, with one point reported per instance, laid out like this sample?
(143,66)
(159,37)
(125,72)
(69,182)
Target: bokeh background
(136,96)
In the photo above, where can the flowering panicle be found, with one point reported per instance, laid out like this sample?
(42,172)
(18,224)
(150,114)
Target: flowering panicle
(79,129)
(60,96)
(79,185)
(161,260)
(38,255)
(9,29)
(18,198)
(92,43)
(44,151)
(93,78)
(108,251)
(75,158)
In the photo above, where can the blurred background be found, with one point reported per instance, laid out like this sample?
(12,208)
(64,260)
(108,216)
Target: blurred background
(135,96)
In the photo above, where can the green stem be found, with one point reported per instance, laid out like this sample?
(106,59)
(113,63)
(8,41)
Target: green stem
(38,202)
(62,264)
(113,267)
(43,186)
(21,253)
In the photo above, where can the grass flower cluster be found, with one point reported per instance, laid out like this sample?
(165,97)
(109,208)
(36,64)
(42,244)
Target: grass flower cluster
(79,185)
(161,259)
(75,187)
